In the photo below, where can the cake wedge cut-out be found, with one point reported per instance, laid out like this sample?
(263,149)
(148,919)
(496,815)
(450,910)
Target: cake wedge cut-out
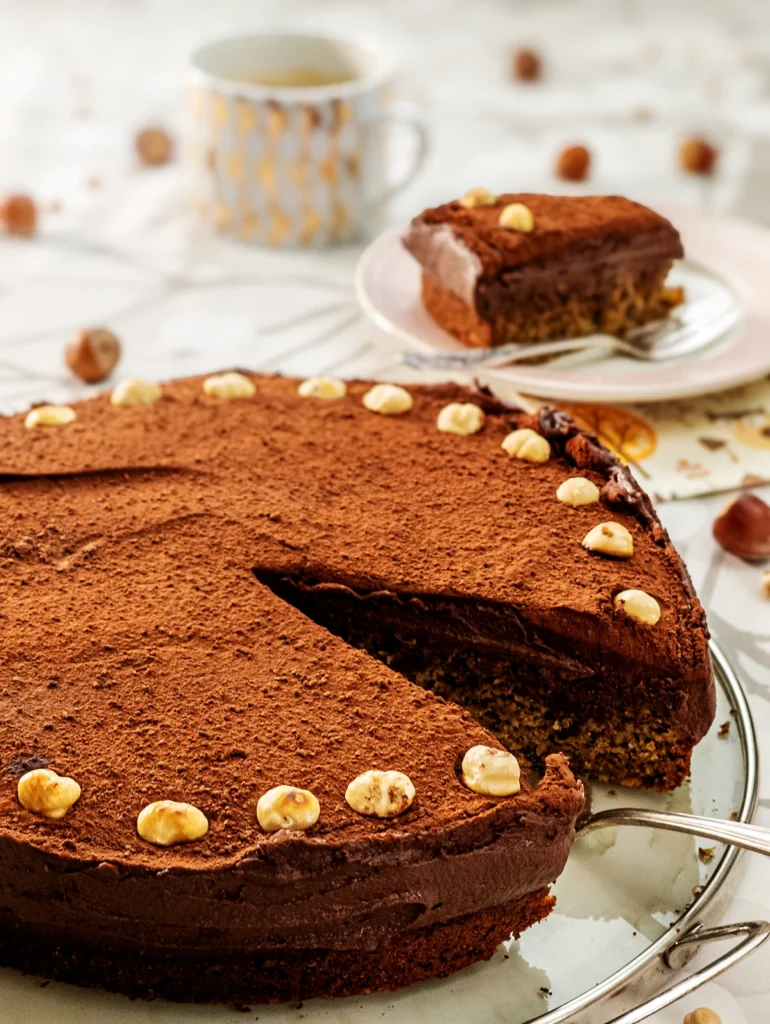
(528,267)
(211,603)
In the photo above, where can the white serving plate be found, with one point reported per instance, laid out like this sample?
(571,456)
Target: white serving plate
(723,254)
(624,898)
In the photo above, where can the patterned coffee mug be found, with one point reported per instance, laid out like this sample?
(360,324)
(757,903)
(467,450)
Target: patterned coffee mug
(277,161)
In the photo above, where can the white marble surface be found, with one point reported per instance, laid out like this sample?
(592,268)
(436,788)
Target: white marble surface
(77,76)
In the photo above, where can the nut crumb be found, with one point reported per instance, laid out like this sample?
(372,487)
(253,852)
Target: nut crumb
(724,730)
(766,582)
(706,854)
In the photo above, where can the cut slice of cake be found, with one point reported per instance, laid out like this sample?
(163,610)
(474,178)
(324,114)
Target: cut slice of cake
(174,575)
(566,267)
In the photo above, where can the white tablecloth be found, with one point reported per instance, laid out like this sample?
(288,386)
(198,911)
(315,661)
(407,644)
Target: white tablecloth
(77,77)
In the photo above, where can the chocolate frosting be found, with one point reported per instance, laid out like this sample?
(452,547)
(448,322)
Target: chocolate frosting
(144,656)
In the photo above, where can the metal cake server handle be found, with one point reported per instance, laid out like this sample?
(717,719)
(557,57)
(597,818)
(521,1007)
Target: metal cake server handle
(734,833)
(751,933)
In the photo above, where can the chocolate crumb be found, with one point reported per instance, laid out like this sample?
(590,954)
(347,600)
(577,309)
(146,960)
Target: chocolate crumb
(712,443)
(24,763)
(724,730)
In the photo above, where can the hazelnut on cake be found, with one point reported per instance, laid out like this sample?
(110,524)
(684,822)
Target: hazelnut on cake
(515,268)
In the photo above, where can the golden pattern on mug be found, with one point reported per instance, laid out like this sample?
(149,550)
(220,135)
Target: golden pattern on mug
(248,224)
(219,110)
(236,167)
(280,225)
(246,118)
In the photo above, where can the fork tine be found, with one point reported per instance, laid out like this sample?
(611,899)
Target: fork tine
(696,336)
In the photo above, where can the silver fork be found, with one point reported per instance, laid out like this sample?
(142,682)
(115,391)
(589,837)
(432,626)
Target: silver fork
(703,323)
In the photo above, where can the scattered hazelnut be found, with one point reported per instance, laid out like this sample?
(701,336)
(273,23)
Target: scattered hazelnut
(229,385)
(702,1016)
(93,354)
(491,771)
(527,444)
(49,416)
(136,391)
(461,418)
(527,65)
(287,807)
(638,605)
(573,163)
(610,539)
(697,156)
(516,217)
(327,388)
(766,582)
(743,528)
(167,822)
(19,215)
(388,400)
(380,794)
(154,146)
(46,793)
(578,490)
(477,197)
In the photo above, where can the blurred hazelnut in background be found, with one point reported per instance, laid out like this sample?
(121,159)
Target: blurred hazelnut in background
(93,354)
(18,214)
(527,65)
(154,146)
(573,163)
(697,156)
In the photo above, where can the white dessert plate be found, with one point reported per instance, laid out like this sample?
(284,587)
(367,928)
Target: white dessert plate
(626,896)
(727,259)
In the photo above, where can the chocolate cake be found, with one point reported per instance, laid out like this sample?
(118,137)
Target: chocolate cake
(208,598)
(514,268)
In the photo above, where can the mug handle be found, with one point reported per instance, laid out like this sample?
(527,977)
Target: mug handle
(407,114)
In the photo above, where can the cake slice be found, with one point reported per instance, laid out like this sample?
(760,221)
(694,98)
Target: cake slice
(573,266)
